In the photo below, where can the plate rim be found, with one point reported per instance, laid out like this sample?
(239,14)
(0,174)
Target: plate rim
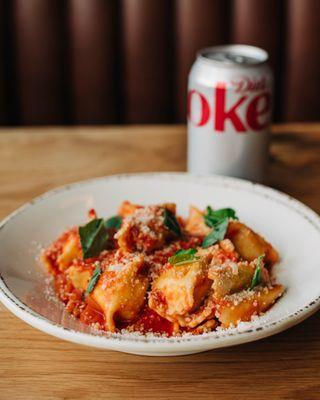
(164,346)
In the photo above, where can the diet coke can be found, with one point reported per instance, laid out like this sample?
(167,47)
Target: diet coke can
(229,111)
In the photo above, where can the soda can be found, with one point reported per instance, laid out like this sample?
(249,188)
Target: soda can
(229,112)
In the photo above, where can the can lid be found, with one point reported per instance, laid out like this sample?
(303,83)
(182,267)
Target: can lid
(234,55)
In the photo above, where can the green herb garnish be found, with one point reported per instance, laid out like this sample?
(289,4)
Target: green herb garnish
(183,257)
(113,222)
(171,222)
(256,279)
(93,237)
(212,217)
(95,234)
(217,234)
(94,279)
(218,220)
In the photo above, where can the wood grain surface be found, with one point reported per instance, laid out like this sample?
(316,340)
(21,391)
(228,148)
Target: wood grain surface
(34,365)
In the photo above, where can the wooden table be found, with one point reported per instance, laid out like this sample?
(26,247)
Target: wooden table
(34,365)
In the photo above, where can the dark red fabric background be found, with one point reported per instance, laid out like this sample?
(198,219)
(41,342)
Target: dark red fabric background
(127,61)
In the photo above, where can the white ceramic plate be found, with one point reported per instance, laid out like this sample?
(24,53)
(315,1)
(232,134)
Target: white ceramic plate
(290,226)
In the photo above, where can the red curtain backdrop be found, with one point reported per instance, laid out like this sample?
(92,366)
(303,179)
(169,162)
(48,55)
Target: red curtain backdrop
(127,61)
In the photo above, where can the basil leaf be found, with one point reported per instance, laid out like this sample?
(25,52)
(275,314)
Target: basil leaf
(256,279)
(94,280)
(188,251)
(171,222)
(222,213)
(183,257)
(93,238)
(113,222)
(217,234)
(212,217)
(186,261)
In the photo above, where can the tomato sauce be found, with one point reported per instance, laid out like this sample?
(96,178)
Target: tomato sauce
(92,313)
(150,321)
(149,233)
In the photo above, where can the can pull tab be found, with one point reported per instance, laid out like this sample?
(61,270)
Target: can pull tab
(231,58)
(239,59)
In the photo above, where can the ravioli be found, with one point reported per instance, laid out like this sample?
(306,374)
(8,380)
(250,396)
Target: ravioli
(249,244)
(121,290)
(148,270)
(179,290)
(242,307)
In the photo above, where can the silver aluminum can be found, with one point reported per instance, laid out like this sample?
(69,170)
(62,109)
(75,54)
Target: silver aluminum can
(229,111)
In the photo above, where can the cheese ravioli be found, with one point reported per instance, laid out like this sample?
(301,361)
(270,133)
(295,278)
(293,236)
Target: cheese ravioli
(150,271)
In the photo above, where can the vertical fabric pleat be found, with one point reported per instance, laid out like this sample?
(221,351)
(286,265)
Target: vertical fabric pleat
(93,60)
(3,105)
(302,77)
(147,61)
(258,23)
(198,23)
(39,43)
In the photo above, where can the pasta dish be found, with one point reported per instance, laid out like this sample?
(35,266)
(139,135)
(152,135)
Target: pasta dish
(149,270)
